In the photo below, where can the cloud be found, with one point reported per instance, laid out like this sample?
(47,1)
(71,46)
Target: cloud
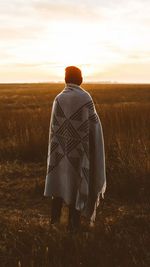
(32,65)
(20,32)
(30,19)
(49,10)
(39,64)
(139,56)
(124,72)
(59,10)
(113,32)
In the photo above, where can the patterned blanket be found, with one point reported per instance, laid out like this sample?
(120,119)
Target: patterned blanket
(76,156)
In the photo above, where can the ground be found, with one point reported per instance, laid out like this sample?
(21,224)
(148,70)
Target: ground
(120,236)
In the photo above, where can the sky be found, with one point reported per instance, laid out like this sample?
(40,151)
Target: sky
(109,40)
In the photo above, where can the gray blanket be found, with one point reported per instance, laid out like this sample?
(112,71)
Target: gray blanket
(76,156)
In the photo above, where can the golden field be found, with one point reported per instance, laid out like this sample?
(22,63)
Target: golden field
(121,236)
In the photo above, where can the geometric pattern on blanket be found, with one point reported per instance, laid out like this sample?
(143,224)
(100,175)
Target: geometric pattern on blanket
(68,137)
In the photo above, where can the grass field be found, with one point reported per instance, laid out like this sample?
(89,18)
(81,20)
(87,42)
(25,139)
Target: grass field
(121,236)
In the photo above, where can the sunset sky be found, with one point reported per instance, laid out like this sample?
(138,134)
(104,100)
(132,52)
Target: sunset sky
(109,40)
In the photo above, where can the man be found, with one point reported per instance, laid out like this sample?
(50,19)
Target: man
(76,158)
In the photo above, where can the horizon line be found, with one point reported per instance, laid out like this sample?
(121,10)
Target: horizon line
(89,82)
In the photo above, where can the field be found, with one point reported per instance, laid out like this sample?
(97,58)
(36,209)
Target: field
(121,236)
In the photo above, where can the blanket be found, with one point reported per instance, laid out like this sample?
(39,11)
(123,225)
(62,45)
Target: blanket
(76,156)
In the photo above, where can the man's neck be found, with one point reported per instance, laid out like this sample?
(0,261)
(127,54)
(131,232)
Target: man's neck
(73,85)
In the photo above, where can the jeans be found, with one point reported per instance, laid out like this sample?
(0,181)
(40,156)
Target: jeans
(74,215)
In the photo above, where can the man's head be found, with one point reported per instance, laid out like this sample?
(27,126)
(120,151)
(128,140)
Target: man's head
(73,75)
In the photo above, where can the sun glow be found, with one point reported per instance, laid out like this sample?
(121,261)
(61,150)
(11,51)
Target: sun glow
(70,44)
(106,40)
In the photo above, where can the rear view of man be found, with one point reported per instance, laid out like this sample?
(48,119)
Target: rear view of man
(76,158)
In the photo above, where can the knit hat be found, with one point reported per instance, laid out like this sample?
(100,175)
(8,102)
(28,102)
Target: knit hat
(73,75)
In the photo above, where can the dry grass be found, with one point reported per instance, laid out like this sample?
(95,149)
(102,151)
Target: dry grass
(121,235)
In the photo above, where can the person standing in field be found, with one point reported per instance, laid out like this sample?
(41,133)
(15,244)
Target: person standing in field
(76,172)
